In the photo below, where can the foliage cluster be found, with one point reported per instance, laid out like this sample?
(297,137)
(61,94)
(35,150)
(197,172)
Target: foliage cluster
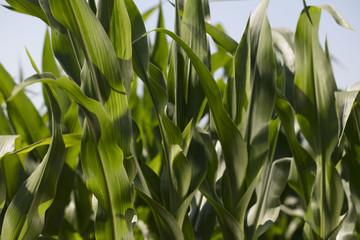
(269,150)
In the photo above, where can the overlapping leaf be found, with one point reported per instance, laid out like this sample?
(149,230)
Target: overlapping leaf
(314,106)
(24,218)
(102,162)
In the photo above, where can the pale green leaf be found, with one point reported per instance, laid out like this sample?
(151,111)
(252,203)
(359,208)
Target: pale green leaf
(337,16)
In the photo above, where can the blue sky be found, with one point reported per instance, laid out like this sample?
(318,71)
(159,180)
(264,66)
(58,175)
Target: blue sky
(18,30)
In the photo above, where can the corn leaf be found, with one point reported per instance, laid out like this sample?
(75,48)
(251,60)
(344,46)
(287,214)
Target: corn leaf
(11,166)
(262,96)
(160,49)
(168,226)
(178,171)
(238,88)
(222,38)
(48,60)
(314,96)
(67,53)
(345,102)
(193,32)
(267,207)
(314,106)
(102,162)
(24,118)
(229,135)
(103,65)
(24,218)
(305,165)
(30,7)
(352,131)
(337,16)
(115,20)
(5,127)
(7,144)
(284,44)
(70,140)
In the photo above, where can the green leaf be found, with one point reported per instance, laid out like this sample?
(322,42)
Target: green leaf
(180,69)
(2,191)
(303,179)
(345,102)
(348,226)
(160,49)
(352,132)
(314,87)
(70,140)
(238,88)
(33,64)
(230,227)
(115,20)
(24,117)
(102,63)
(49,65)
(102,162)
(220,59)
(316,113)
(64,49)
(222,38)
(262,96)
(10,167)
(174,194)
(229,135)
(324,210)
(24,218)
(31,7)
(270,186)
(193,32)
(48,60)
(168,226)
(5,127)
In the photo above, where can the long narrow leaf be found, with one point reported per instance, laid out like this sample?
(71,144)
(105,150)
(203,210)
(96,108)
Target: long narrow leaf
(102,162)
(24,218)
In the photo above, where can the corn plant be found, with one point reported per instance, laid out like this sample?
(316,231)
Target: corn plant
(268,150)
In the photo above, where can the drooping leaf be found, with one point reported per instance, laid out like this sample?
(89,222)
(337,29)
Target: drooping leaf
(337,16)
(345,101)
(31,7)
